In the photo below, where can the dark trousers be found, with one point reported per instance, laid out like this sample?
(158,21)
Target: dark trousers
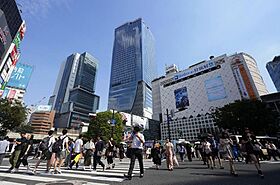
(136,153)
(182,156)
(23,160)
(97,160)
(110,160)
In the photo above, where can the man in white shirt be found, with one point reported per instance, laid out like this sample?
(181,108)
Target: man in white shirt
(77,150)
(61,155)
(4,147)
(136,151)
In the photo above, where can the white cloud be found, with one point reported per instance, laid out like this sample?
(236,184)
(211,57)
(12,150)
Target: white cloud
(40,8)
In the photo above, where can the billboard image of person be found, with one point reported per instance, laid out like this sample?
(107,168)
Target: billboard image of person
(181,98)
(20,76)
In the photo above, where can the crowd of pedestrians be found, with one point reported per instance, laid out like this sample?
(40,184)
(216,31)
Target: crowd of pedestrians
(64,151)
(60,151)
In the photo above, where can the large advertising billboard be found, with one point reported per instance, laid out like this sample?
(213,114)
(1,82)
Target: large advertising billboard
(215,89)
(181,98)
(5,36)
(20,76)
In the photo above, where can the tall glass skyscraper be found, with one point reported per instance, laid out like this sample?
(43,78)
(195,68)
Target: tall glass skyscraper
(273,68)
(74,96)
(133,69)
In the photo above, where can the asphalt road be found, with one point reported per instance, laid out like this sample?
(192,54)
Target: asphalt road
(195,173)
(188,173)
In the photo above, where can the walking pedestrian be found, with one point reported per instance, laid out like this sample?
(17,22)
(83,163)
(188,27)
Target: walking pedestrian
(121,152)
(89,148)
(215,152)
(190,152)
(4,147)
(169,153)
(156,155)
(60,148)
(110,154)
(19,143)
(25,153)
(70,151)
(98,153)
(226,152)
(78,150)
(136,152)
(207,152)
(182,152)
(249,141)
(46,147)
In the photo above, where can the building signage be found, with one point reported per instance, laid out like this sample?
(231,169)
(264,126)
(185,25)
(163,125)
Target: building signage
(20,76)
(43,108)
(215,89)
(194,70)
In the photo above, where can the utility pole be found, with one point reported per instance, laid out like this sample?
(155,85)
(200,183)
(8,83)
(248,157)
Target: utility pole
(168,125)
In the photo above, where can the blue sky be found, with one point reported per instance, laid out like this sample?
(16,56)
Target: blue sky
(186,32)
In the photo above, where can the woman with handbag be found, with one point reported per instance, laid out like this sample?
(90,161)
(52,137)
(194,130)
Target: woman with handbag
(98,153)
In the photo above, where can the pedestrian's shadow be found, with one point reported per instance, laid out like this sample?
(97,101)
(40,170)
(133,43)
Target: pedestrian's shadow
(210,174)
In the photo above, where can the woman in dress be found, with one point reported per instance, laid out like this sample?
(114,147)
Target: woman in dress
(169,154)
(156,155)
(226,152)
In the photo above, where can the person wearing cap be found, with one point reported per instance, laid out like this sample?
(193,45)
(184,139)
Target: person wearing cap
(137,148)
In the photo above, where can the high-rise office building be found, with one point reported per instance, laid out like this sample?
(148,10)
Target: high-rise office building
(273,68)
(133,69)
(74,96)
(12,14)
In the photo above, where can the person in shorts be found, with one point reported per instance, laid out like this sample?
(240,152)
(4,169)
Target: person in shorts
(60,156)
(46,154)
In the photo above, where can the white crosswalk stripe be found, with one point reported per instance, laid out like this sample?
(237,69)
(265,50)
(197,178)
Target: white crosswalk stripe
(90,177)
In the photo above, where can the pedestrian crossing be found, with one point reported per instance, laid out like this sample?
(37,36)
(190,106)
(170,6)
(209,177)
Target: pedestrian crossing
(87,176)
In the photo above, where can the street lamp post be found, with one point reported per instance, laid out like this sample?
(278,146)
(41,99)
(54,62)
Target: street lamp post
(113,123)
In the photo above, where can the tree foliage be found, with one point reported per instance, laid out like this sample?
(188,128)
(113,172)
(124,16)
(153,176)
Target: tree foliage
(12,115)
(100,126)
(253,114)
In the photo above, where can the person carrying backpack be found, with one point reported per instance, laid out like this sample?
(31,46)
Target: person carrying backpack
(60,148)
(46,148)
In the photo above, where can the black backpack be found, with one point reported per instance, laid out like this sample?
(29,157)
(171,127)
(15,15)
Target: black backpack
(44,145)
(57,146)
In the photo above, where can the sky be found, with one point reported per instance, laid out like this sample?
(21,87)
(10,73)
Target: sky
(186,32)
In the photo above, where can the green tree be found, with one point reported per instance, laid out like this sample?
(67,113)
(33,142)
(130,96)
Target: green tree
(24,127)
(12,115)
(253,114)
(100,126)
